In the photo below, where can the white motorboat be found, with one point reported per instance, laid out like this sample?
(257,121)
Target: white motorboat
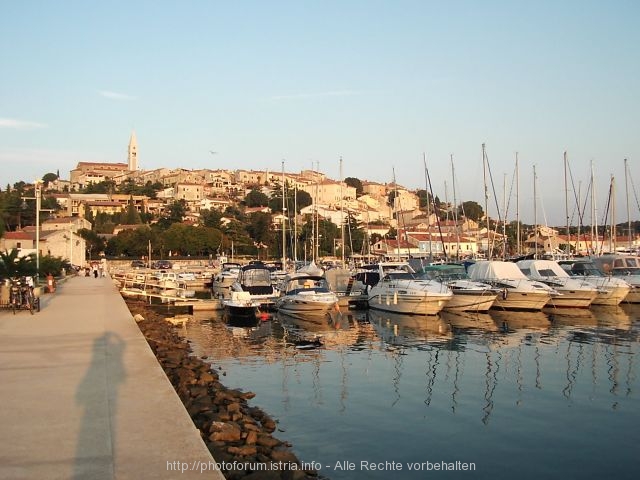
(306,294)
(468,295)
(241,305)
(625,267)
(399,290)
(517,291)
(222,281)
(342,282)
(255,279)
(611,290)
(573,292)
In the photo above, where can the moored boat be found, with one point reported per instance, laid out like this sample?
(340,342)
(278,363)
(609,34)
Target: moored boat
(517,291)
(468,295)
(573,292)
(305,294)
(240,304)
(255,279)
(399,290)
(611,290)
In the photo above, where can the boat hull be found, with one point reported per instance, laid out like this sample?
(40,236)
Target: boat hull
(408,304)
(572,299)
(611,297)
(514,300)
(471,301)
(307,306)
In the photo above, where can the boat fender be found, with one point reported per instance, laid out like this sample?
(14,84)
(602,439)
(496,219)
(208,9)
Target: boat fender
(505,293)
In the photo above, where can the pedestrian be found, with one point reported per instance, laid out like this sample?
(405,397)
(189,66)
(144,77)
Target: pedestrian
(95,271)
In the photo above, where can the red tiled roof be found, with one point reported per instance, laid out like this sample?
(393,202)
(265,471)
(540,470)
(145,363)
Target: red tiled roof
(18,236)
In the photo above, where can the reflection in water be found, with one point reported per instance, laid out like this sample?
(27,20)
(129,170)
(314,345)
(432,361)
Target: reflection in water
(488,375)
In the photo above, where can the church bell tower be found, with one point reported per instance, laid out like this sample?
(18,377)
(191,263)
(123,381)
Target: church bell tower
(132,155)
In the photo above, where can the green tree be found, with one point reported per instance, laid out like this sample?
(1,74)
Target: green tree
(94,242)
(471,210)
(355,183)
(49,178)
(259,228)
(210,218)
(132,243)
(12,265)
(106,186)
(255,198)
(132,216)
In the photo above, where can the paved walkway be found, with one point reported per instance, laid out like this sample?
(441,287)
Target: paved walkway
(83,397)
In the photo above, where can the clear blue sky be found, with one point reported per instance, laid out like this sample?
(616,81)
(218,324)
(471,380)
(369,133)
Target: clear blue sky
(376,82)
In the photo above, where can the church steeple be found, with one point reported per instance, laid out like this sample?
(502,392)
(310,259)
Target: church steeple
(132,156)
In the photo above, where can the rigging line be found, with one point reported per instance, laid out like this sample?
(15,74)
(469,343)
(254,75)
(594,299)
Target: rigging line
(446,256)
(635,193)
(544,213)
(606,210)
(513,181)
(493,188)
(575,196)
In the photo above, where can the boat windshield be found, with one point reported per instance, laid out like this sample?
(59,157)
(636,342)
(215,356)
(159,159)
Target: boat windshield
(444,273)
(583,269)
(401,276)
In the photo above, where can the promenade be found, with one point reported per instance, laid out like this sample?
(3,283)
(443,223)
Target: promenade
(83,397)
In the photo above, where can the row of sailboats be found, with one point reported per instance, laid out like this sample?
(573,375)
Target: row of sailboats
(498,284)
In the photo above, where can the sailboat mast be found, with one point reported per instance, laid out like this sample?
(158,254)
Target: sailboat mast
(455,208)
(504,220)
(395,201)
(284,223)
(517,206)
(486,195)
(626,193)
(535,211)
(566,203)
(594,214)
(341,217)
(295,223)
(613,233)
(426,187)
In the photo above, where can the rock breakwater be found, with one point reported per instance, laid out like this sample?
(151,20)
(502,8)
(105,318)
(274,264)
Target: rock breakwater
(238,435)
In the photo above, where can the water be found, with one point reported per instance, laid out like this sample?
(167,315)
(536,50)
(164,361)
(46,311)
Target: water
(516,394)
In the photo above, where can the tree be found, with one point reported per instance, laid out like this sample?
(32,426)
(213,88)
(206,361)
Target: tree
(471,210)
(132,216)
(211,218)
(259,228)
(355,183)
(94,242)
(49,178)
(255,198)
(174,213)
(12,266)
(303,199)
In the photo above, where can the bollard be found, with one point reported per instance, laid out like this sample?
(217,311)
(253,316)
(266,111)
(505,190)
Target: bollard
(51,283)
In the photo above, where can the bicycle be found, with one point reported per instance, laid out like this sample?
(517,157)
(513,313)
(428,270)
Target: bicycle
(27,297)
(21,296)
(15,295)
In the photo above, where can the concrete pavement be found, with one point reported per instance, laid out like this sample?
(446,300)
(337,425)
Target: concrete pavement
(83,397)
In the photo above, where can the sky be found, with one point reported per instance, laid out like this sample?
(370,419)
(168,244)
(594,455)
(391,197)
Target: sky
(388,86)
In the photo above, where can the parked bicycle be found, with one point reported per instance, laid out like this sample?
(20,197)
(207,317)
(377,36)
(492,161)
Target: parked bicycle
(21,296)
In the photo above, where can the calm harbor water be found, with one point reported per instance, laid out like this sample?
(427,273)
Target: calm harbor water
(531,395)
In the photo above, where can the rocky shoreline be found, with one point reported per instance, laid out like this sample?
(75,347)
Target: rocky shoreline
(233,430)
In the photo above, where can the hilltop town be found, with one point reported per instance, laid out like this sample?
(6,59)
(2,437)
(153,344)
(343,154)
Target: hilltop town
(349,218)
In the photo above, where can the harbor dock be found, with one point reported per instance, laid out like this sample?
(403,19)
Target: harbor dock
(84,397)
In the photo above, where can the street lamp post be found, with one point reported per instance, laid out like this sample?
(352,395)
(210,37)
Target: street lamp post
(38,192)
(38,198)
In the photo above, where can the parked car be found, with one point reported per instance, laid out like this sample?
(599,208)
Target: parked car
(163,265)
(138,264)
